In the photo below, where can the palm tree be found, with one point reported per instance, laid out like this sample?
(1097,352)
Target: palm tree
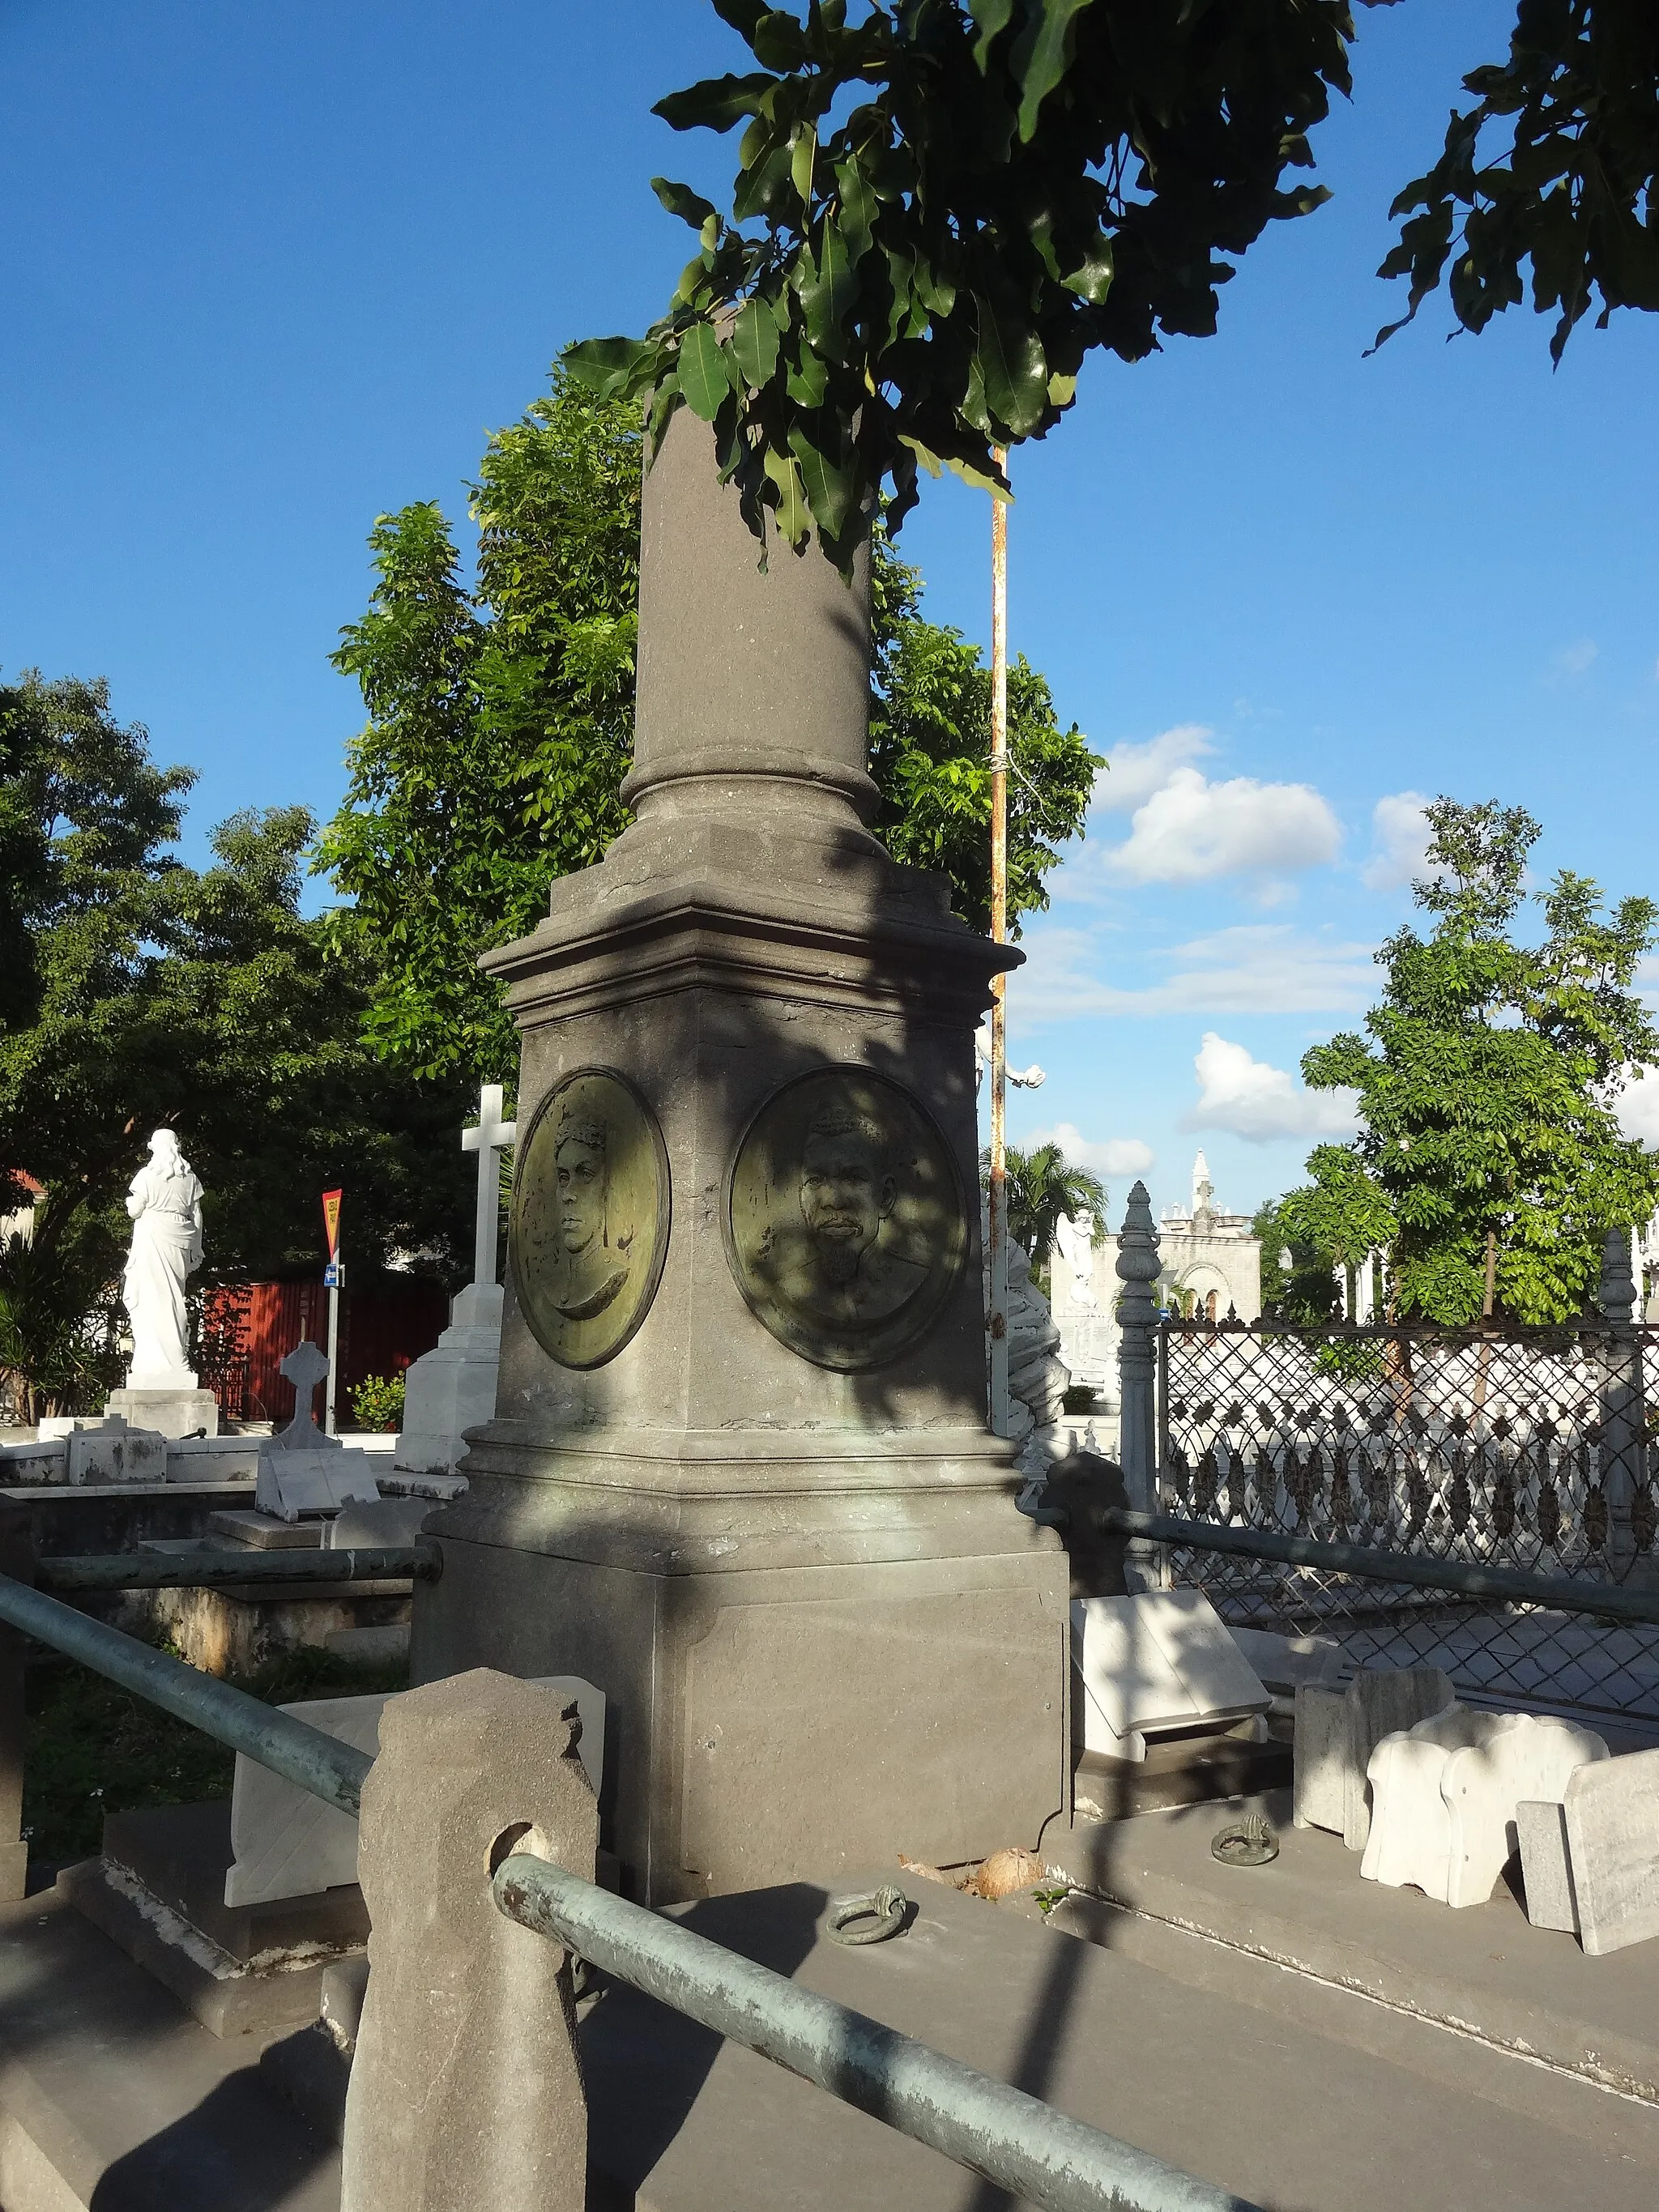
(1043,1184)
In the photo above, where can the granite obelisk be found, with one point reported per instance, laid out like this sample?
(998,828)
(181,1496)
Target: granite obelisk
(740,1475)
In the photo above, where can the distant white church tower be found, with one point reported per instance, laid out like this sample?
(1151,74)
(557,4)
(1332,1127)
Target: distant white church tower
(1211,1264)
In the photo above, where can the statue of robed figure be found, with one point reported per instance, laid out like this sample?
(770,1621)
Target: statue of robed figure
(165,1202)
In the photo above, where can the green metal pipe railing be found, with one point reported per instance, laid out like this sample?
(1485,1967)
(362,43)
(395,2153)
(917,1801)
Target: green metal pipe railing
(1600,1601)
(1013,2139)
(321,1764)
(208,1567)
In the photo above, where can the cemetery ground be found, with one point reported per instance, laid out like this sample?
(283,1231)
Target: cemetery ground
(1303,2038)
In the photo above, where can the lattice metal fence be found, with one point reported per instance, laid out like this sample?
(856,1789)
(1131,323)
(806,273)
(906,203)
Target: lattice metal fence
(1531,1450)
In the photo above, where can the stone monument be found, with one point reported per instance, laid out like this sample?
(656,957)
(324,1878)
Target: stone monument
(740,1475)
(164,1204)
(452,1388)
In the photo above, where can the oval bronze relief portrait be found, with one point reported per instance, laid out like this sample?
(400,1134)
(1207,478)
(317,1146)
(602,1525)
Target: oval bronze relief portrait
(845,1224)
(590,1217)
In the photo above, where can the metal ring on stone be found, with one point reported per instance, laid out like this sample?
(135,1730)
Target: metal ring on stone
(883,1910)
(1248,1843)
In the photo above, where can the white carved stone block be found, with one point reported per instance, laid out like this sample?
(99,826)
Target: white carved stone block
(452,1388)
(286,1843)
(1443,1795)
(1612,1819)
(1160,1659)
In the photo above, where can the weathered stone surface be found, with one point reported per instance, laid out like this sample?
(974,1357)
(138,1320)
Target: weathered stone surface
(465,2092)
(1162,1660)
(1612,1815)
(1546,1871)
(1321,1758)
(1443,1795)
(1383,1701)
(113,1452)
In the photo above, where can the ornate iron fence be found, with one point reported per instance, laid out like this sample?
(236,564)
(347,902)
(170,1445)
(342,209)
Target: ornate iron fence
(1528,1448)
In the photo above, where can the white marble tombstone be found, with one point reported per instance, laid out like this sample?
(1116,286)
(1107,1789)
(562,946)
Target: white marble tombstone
(452,1388)
(1158,1661)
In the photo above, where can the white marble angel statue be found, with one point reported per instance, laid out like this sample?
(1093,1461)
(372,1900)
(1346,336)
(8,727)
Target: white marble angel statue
(165,1202)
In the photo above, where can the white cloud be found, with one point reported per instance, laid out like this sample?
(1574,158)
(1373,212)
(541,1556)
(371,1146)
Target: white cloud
(1257,968)
(1191,831)
(1637,1108)
(1253,1100)
(1133,773)
(1573,659)
(1400,833)
(1109,1155)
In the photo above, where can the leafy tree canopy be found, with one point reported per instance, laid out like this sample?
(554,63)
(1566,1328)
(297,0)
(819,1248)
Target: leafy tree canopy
(1298,1285)
(163,994)
(501,725)
(1486,1084)
(941,208)
(1554,166)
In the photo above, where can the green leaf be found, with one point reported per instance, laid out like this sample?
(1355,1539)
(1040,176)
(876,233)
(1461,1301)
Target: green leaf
(1013,366)
(807,381)
(703,378)
(613,369)
(1041,55)
(829,289)
(742,14)
(794,515)
(800,163)
(989,16)
(858,206)
(1092,280)
(716,104)
(828,480)
(681,200)
(755,341)
(778,39)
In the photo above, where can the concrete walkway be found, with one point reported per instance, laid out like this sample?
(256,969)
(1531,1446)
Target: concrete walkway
(1307,2041)
(1299,2093)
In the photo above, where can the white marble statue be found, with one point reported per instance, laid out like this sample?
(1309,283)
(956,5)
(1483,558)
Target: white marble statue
(165,1202)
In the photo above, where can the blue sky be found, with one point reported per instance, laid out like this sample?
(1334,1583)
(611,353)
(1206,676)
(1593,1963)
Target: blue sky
(265,273)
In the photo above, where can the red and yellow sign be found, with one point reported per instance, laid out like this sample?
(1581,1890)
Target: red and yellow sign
(332,1219)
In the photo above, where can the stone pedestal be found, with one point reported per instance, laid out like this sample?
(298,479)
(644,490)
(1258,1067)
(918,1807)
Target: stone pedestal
(172,1404)
(452,1388)
(757,1505)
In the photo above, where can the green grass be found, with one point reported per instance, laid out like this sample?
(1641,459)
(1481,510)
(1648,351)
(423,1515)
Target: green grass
(95,1748)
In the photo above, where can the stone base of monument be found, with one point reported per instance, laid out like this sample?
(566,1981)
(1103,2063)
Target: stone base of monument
(180,1410)
(158,1891)
(893,1679)
(452,1388)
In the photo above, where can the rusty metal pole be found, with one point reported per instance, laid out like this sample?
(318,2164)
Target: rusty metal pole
(997,1200)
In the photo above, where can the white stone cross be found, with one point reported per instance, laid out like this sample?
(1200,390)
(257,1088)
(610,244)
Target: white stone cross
(488,1140)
